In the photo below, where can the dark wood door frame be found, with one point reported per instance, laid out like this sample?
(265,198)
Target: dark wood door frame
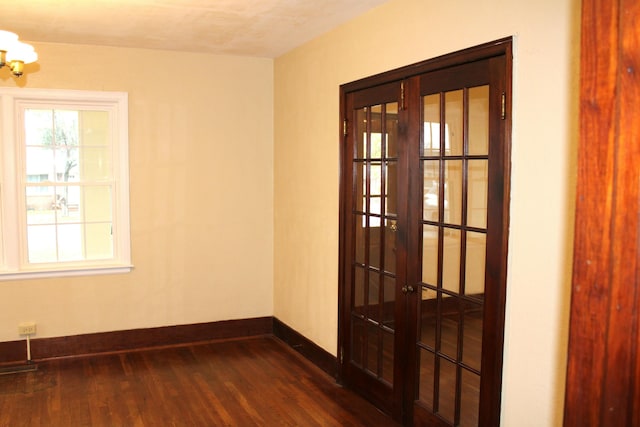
(603,376)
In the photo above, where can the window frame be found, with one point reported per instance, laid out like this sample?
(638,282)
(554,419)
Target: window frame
(14,263)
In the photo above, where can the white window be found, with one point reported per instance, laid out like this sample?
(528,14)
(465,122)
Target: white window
(64,183)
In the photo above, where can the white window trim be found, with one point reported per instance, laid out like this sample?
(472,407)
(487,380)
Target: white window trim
(13,264)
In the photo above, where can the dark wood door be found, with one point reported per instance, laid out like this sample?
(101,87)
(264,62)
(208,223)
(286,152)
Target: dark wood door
(375,248)
(423,239)
(457,244)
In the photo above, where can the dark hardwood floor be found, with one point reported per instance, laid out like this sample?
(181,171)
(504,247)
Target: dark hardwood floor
(249,382)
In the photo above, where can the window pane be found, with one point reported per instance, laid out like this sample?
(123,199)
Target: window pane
(358,338)
(469,399)
(430,192)
(96,203)
(374,296)
(387,357)
(66,164)
(68,203)
(431,131)
(478,183)
(479,120)
(388,315)
(376,180)
(95,163)
(390,233)
(358,291)
(451,260)
(449,328)
(94,128)
(360,238)
(374,221)
(376,145)
(392,126)
(374,243)
(40,205)
(69,242)
(38,125)
(447,391)
(475,264)
(391,207)
(427,361)
(65,128)
(428,318)
(373,347)
(360,137)
(430,254)
(453,192)
(39,164)
(453,123)
(99,241)
(472,336)
(360,172)
(376,132)
(41,242)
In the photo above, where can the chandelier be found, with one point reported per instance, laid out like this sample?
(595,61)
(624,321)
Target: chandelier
(14,53)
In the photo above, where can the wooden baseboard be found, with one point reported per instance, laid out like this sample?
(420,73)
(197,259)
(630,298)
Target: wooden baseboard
(108,342)
(310,350)
(12,352)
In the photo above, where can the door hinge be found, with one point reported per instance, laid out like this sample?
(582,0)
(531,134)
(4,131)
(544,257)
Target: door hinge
(402,95)
(503,108)
(341,354)
(344,127)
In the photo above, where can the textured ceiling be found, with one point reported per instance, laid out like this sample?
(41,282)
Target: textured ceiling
(264,28)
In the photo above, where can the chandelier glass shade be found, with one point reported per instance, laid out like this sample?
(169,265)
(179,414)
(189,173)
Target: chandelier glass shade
(14,53)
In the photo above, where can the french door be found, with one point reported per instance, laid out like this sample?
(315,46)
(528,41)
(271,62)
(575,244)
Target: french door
(424,203)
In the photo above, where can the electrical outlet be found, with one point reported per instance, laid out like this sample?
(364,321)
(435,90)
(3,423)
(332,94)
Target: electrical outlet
(27,328)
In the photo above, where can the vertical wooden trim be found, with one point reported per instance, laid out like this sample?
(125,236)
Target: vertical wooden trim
(497,243)
(602,383)
(342,215)
(406,305)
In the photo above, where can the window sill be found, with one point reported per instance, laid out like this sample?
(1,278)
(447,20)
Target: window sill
(65,272)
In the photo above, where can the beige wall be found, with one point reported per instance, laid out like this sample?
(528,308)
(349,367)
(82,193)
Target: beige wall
(201,182)
(306,178)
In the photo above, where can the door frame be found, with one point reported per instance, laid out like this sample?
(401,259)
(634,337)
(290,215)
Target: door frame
(603,367)
(480,52)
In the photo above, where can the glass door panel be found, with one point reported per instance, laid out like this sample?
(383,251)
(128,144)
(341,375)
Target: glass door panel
(478,177)
(430,257)
(454,227)
(450,259)
(374,221)
(453,191)
(431,190)
(472,336)
(469,398)
(431,125)
(453,123)
(478,130)
(476,249)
